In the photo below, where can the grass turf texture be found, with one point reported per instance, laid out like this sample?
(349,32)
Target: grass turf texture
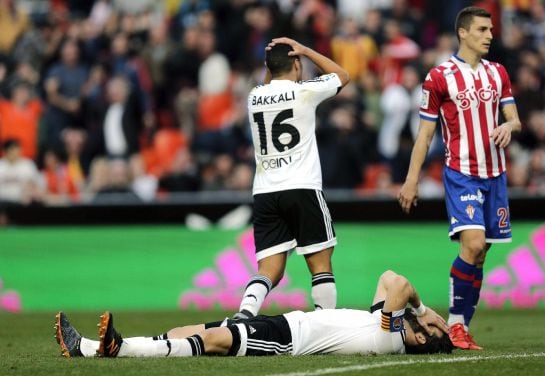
(27,347)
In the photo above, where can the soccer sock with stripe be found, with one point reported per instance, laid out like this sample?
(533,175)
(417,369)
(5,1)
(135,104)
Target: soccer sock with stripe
(256,292)
(473,300)
(148,347)
(462,276)
(324,291)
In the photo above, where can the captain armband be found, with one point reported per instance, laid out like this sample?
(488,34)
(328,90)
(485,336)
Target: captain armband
(392,321)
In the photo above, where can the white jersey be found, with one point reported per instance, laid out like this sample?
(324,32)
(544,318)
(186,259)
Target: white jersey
(342,331)
(283,120)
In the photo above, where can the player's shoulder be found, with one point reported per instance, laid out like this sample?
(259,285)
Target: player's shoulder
(495,64)
(328,77)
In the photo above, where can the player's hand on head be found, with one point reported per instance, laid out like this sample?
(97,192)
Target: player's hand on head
(432,318)
(408,196)
(298,48)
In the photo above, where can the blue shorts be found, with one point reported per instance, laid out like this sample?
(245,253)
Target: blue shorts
(475,203)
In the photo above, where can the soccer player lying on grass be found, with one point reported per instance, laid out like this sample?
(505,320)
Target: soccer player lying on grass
(389,328)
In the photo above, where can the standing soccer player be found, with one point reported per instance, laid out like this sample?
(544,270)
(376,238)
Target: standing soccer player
(465,94)
(290,211)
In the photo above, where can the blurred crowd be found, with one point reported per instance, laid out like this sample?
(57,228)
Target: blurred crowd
(148,97)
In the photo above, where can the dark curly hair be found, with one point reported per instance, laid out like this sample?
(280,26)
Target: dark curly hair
(433,343)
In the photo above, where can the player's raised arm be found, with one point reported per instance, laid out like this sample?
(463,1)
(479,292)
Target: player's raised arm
(325,64)
(397,292)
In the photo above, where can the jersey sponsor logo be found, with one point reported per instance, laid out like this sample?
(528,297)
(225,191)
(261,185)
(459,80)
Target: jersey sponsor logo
(470,210)
(471,197)
(425,99)
(279,162)
(471,98)
(273,99)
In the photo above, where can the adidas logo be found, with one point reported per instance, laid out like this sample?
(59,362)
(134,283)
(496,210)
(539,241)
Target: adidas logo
(224,283)
(10,300)
(521,282)
(453,221)
(252,329)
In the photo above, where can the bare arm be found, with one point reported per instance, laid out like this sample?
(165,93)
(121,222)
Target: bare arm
(397,292)
(501,136)
(408,195)
(325,64)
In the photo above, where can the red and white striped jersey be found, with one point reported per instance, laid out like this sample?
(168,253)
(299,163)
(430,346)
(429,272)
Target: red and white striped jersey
(467,102)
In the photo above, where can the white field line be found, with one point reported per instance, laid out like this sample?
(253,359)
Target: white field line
(363,367)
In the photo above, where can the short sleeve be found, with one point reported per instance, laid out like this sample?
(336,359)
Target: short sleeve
(432,96)
(322,87)
(506,92)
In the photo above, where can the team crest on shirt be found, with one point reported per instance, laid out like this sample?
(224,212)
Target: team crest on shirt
(470,210)
(397,324)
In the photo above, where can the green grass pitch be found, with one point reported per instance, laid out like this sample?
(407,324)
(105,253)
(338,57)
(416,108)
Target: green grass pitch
(514,345)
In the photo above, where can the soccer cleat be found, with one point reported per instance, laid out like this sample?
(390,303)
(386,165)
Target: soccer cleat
(109,339)
(67,336)
(243,315)
(472,344)
(458,336)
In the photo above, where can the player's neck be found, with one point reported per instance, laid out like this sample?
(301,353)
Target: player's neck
(292,76)
(470,57)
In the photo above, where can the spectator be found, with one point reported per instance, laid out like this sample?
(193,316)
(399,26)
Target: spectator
(19,177)
(13,22)
(59,185)
(63,86)
(19,119)
(400,105)
(352,50)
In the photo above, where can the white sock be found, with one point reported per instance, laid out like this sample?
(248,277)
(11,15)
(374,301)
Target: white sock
(324,291)
(88,347)
(148,347)
(455,319)
(256,292)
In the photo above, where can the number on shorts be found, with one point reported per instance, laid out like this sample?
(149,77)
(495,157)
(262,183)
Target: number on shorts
(503,213)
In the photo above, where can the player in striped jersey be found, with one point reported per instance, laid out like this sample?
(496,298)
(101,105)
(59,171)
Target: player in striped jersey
(389,328)
(466,94)
(290,212)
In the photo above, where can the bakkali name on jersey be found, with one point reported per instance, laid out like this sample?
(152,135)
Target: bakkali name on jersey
(273,99)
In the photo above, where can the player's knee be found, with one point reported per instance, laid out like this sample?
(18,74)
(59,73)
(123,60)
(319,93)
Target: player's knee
(475,249)
(216,340)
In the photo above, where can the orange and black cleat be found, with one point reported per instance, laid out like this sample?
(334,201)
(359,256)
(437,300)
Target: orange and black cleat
(110,339)
(67,336)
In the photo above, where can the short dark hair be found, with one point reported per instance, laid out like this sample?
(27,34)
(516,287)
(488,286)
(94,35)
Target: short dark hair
(277,59)
(433,343)
(10,143)
(465,17)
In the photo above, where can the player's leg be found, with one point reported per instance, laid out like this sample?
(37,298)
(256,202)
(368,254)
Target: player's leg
(316,239)
(270,271)
(323,291)
(72,343)
(216,340)
(273,240)
(464,197)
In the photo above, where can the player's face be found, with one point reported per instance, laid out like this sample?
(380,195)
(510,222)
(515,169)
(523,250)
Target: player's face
(479,36)
(417,338)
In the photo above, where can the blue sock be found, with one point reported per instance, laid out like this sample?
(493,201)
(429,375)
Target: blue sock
(473,299)
(462,276)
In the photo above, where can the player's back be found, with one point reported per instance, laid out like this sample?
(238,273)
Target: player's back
(283,120)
